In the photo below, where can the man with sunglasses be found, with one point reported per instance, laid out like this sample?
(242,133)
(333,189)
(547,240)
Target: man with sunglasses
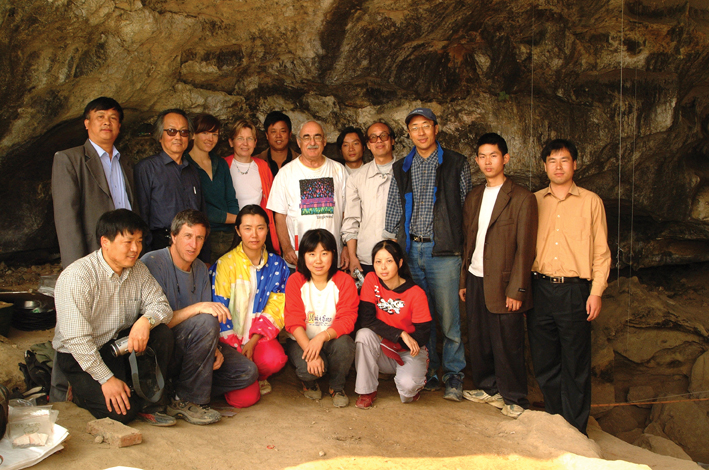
(166,183)
(366,198)
(425,215)
(308,193)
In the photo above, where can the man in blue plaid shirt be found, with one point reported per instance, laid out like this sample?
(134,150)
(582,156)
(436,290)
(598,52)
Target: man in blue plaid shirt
(425,215)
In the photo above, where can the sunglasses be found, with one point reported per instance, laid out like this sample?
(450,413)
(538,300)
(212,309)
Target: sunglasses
(172,132)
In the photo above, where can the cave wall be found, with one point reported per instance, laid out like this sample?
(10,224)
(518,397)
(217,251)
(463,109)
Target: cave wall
(530,70)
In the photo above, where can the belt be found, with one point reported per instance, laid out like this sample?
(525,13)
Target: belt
(416,238)
(558,279)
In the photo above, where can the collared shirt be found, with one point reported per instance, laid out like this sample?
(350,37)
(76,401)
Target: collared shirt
(165,188)
(114,176)
(94,304)
(572,238)
(266,155)
(365,206)
(423,180)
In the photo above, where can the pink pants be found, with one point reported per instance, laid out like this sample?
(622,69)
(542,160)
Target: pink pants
(269,358)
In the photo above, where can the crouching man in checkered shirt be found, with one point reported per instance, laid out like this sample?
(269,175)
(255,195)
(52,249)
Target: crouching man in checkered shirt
(104,296)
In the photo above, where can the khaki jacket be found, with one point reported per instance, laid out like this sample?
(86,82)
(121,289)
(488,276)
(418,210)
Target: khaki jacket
(510,245)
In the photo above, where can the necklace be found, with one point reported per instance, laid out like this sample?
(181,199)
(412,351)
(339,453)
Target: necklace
(242,172)
(174,272)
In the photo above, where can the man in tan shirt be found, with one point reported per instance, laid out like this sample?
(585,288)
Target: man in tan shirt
(569,277)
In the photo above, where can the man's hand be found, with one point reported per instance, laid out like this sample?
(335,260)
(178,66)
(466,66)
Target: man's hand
(345,259)
(411,343)
(593,307)
(290,256)
(139,335)
(354,264)
(218,359)
(461,294)
(116,393)
(216,310)
(316,367)
(248,349)
(312,352)
(512,304)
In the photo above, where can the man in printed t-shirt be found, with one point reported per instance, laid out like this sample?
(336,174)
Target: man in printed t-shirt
(308,193)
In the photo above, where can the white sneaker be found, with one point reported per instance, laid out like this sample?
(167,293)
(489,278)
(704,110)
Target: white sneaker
(264,387)
(480,396)
(513,411)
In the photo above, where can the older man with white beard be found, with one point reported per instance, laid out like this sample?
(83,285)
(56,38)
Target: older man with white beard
(308,193)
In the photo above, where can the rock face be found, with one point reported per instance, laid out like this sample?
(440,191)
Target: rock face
(529,70)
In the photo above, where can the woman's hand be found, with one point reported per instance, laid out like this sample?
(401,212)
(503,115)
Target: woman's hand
(248,349)
(411,343)
(316,367)
(312,351)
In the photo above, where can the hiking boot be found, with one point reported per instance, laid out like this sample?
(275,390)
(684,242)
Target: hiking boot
(193,414)
(339,398)
(480,396)
(312,390)
(454,388)
(365,402)
(513,411)
(264,387)
(157,419)
(432,384)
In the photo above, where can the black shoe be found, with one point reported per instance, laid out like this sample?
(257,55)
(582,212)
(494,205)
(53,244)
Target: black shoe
(454,388)
(432,384)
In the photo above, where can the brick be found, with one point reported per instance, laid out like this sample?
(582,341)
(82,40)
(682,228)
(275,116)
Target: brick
(114,433)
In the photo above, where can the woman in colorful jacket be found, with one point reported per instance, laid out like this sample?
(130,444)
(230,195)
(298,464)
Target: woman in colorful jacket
(251,282)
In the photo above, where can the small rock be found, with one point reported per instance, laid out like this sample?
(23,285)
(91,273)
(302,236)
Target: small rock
(321,453)
(98,440)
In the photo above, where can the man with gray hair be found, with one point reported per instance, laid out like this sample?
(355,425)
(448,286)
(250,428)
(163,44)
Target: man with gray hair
(308,193)
(201,366)
(166,183)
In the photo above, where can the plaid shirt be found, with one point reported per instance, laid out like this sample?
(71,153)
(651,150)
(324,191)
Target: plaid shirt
(94,304)
(423,180)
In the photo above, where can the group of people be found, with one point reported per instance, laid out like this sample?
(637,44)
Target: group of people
(285,234)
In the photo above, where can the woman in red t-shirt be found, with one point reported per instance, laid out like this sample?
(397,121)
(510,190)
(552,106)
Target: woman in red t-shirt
(396,322)
(320,313)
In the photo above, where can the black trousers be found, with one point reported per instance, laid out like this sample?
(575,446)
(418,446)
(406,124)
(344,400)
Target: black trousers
(87,391)
(496,347)
(560,342)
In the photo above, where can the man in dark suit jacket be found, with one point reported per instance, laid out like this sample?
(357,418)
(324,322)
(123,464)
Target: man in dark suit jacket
(90,180)
(500,233)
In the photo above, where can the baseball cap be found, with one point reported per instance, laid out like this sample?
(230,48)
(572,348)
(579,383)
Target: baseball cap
(425,112)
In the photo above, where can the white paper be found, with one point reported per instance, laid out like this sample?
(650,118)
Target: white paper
(15,459)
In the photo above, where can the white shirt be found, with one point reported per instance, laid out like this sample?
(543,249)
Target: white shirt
(486,206)
(319,305)
(365,207)
(247,182)
(310,198)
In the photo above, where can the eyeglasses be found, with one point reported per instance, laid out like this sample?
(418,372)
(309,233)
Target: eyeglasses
(424,127)
(249,140)
(384,136)
(308,138)
(173,132)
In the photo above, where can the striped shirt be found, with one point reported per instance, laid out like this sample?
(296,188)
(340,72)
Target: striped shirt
(94,304)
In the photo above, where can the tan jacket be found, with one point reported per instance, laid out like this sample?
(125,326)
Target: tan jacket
(510,245)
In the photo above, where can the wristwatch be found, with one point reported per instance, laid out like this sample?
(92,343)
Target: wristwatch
(151,320)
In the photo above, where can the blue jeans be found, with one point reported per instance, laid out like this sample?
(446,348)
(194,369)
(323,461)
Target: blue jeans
(439,276)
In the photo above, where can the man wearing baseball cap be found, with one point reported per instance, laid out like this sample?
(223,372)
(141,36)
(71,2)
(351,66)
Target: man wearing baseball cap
(425,215)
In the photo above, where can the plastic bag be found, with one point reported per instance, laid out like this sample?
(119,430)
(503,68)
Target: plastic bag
(30,426)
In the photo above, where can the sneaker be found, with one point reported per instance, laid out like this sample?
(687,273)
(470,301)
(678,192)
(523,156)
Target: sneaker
(339,398)
(454,389)
(264,387)
(193,414)
(480,396)
(513,411)
(312,390)
(432,384)
(157,419)
(365,402)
